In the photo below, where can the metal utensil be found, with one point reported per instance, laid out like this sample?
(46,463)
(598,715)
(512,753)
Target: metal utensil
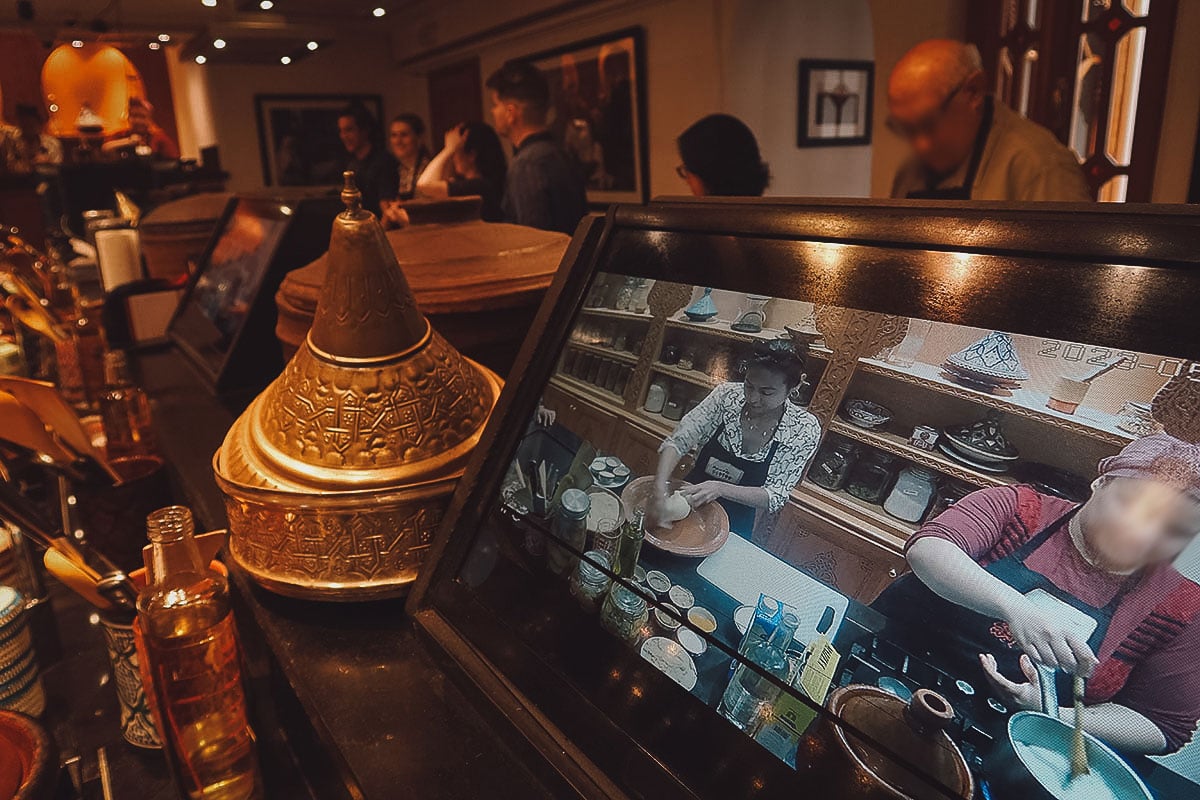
(36,318)
(44,400)
(1079,758)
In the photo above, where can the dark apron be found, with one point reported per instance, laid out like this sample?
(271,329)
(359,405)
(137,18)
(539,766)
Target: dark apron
(962,192)
(716,463)
(960,634)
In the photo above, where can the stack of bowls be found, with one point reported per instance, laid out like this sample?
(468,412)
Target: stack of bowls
(20,684)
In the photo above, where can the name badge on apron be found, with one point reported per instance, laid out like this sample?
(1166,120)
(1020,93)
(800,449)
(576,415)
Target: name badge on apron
(722,471)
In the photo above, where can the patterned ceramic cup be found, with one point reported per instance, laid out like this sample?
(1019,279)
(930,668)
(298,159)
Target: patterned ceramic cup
(137,724)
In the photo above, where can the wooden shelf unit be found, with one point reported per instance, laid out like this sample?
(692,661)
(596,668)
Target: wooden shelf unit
(617,314)
(1023,402)
(605,352)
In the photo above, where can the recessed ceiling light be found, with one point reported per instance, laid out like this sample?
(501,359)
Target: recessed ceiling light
(379,11)
(201,59)
(313,45)
(164,37)
(219,44)
(285,60)
(53,107)
(266,5)
(155,45)
(209,3)
(77,43)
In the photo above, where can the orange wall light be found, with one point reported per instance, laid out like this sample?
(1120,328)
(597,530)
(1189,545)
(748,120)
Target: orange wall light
(96,74)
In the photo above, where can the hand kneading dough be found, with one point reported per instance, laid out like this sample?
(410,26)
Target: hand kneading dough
(677,507)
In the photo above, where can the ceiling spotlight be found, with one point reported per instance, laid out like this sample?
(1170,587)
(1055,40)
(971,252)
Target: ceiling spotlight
(53,108)
(285,60)
(379,11)
(313,45)
(155,45)
(201,59)
(266,5)
(219,44)
(164,37)
(209,3)
(77,43)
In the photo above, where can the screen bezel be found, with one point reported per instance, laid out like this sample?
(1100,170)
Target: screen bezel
(1056,270)
(210,368)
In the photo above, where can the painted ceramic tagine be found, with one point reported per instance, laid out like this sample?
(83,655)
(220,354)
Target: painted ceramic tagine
(337,475)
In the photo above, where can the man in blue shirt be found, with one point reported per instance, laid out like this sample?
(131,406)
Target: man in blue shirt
(543,189)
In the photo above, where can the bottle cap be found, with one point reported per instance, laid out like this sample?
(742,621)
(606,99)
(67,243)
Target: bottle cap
(576,503)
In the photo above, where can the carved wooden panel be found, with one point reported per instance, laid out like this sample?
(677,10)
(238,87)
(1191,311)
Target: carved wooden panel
(1177,404)
(848,333)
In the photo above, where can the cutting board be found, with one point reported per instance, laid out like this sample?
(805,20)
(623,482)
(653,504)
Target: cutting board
(743,571)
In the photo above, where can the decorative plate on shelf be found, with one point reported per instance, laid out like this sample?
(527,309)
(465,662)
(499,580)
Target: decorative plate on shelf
(701,533)
(992,466)
(669,658)
(982,441)
(866,414)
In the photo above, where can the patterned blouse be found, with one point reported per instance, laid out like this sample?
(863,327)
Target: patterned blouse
(798,435)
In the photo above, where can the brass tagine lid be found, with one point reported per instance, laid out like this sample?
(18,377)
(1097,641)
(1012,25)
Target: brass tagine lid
(373,403)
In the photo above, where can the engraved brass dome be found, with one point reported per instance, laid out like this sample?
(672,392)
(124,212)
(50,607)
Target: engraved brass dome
(337,475)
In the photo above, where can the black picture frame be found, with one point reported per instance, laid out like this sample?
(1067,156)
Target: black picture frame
(851,123)
(311,121)
(630,173)
(1054,270)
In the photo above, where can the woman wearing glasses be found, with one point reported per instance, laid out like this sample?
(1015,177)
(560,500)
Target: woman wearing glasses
(752,443)
(1009,578)
(965,144)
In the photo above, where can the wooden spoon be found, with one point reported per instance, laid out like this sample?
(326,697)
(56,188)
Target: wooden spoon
(21,426)
(38,320)
(48,404)
(74,577)
(1079,757)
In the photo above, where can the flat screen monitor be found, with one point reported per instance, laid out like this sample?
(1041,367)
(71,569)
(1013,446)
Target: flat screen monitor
(950,454)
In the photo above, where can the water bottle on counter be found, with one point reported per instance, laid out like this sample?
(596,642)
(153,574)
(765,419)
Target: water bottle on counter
(750,696)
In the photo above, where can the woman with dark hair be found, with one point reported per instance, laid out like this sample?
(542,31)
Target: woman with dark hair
(471,163)
(406,142)
(752,443)
(721,159)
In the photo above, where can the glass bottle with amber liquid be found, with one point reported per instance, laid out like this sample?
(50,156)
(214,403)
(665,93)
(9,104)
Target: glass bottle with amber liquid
(125,411)
(190,652)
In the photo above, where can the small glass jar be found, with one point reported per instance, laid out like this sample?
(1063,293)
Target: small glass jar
(588,583)
(602,373)
(624,613)
(656,396)
(621,341)
(872,476)
(570,528)
(670,355)
(912,494)
(949,492)
(688,359)
(831,468)
(606,538)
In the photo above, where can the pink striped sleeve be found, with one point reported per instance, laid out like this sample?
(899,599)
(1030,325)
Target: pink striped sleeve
(975,523)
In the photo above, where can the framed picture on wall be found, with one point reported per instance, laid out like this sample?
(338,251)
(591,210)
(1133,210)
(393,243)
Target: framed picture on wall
(598,112)
(298,136)
(835,102)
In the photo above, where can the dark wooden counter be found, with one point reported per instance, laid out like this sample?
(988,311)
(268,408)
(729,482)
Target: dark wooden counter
(351,688)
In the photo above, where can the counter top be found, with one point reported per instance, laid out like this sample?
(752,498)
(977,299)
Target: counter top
(363,705)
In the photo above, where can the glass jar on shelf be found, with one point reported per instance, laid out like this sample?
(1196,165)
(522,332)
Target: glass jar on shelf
(872,476)
(569,527)
(656,396)
(687,359)
(912,494)
(831,467)
(949,492)
(624,613)
(589,583)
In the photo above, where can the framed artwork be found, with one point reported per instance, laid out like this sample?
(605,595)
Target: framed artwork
(835,102)
(598,112)
(298,136)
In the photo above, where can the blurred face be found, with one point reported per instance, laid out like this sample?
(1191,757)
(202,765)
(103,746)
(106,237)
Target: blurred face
(464,163)
(351,135)
(1130,524)
(940,127)
(504,114)
(404,141)
(139,120)
(765,390)
(695,184)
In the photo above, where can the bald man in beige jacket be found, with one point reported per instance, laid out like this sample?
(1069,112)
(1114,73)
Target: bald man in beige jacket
(966,145)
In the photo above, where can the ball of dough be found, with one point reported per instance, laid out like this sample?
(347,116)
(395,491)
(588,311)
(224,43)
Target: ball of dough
(677,507)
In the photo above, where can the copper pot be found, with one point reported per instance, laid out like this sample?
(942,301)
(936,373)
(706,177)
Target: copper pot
(927,762)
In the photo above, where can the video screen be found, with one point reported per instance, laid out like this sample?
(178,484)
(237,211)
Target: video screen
(226,288)
(975,548)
